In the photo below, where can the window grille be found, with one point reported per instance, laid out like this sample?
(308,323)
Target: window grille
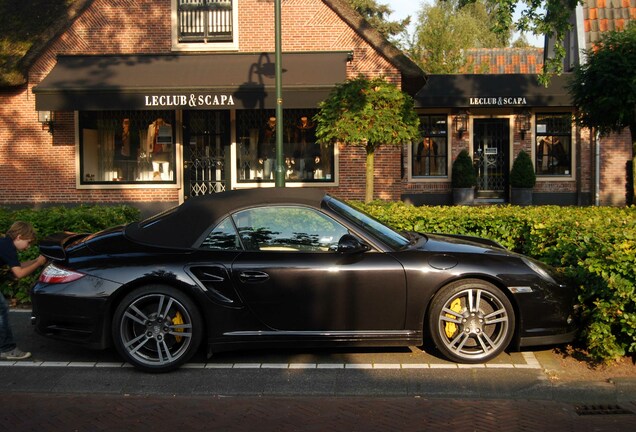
(205,20)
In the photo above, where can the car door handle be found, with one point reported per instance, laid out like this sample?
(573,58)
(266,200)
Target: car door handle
(253,276)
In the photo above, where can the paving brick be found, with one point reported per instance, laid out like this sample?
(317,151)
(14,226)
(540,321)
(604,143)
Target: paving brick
(55,412)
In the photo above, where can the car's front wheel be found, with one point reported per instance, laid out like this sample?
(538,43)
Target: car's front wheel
(157,328)
(471,321)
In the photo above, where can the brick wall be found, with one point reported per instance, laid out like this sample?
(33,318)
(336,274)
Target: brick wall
(37,167)
(615,155)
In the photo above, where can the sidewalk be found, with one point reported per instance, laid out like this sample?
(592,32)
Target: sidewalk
(29,412)
(66,388)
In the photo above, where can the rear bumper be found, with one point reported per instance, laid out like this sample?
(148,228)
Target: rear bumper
(71,319)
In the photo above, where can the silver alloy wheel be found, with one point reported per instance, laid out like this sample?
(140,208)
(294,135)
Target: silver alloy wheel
(474,322)
(156,330)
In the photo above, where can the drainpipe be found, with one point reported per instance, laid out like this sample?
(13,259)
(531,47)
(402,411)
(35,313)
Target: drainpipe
(597,168)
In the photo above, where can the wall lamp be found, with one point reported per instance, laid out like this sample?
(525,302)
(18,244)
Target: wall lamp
(523,123)
(461,123)
(46,119)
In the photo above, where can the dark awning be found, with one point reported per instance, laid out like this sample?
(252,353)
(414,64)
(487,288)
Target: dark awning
(188,81)
(500,90)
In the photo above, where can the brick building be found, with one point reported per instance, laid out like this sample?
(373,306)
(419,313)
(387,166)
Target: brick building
(150,102)
(152,111)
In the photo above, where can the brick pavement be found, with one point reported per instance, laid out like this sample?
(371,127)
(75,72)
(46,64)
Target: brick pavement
(107,412)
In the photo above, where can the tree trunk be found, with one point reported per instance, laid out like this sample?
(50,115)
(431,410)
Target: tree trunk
(368,195)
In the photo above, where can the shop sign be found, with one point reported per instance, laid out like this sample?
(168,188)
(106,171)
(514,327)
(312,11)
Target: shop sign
(191,100)
(497,101)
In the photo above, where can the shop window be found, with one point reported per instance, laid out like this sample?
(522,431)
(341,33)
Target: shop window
(554,144)
(429,155)
(124,147)
(205,21)
(305,160)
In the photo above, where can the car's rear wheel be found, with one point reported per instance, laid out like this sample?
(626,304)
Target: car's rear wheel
(471,321)
(157,328)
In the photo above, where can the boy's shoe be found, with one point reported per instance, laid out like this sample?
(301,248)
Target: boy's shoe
(15,354)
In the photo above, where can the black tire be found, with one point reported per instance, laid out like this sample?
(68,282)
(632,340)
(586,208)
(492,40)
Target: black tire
(157,328)
(471,321)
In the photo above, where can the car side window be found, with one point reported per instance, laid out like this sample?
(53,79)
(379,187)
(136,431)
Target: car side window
(222,237)
(287,228)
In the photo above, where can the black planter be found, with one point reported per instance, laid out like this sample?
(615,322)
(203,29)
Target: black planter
(521,196)
(464,196)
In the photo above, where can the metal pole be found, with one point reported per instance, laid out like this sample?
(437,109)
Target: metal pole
(280,168)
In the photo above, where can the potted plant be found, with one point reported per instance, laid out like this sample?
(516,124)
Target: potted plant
(522,180)
(463,179)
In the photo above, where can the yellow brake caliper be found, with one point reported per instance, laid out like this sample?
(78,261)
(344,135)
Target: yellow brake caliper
(451,328)
(178,320)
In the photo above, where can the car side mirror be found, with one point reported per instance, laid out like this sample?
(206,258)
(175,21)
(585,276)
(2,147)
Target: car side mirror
(348,244)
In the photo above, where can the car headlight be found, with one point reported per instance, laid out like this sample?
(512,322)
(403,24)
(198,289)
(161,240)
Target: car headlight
(539,269)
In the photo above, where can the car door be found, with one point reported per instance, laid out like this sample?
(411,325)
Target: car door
(293,279)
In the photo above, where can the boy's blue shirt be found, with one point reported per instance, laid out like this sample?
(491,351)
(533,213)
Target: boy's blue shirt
(8,253)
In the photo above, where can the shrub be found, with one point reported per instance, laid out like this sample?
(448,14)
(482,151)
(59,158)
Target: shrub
(593,247)
(522,173)
(52,220)
(463,172)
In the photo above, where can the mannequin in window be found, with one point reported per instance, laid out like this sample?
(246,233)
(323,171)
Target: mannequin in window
(551,154)
(126,151)
(159,147)
(542,154)
(267,148)
(305,139)
(425,161)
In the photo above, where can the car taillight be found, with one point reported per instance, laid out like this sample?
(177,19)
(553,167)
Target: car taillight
(53,274)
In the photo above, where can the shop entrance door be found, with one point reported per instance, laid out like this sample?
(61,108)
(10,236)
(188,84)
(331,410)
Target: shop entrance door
(491,142)
(206,151)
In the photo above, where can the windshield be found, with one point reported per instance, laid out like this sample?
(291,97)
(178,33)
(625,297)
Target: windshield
(368,224)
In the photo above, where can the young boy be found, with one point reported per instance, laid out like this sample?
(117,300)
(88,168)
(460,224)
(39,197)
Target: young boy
(18,238)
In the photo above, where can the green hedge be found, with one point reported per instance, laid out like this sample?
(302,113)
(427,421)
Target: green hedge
(595,247)
(82,219)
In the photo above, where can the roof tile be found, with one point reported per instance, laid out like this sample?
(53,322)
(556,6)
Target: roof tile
(605,15)
(503,60)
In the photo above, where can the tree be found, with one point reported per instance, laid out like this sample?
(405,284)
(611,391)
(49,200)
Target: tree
(604,87)
(539,17)
(376,15)
(370,113)
(449,27)
(521,42)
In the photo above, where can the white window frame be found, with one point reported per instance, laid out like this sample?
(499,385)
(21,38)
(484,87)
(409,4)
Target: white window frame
(573,135)
(178,183)
(409,154)
(205,46)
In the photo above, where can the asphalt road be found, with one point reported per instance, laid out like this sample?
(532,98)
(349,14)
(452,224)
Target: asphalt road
(65,387)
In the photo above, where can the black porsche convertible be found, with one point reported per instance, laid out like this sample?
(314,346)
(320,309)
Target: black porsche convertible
(296,267)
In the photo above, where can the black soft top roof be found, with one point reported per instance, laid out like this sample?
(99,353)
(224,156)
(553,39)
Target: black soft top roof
(182,226)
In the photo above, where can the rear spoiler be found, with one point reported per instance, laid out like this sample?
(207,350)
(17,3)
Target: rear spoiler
(54,246)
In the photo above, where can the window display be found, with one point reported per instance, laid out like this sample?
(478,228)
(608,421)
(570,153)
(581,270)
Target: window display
(429,152)
(126,147)
(305,160)
(553,151)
